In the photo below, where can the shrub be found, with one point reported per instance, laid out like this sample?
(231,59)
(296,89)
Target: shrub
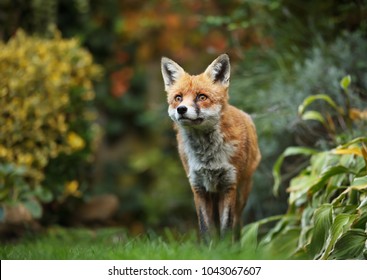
(46,115)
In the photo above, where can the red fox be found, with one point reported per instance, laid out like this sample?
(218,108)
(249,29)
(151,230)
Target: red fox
(217,143)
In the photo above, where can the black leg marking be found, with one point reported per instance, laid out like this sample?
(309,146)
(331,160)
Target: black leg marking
(229,223)
(202,225)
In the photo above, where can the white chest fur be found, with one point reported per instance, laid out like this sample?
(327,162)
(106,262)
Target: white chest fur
(209,159)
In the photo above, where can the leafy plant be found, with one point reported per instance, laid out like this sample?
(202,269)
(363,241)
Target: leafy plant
(46,91)
(327,213)
(270,92)
(327,205)
(341,121)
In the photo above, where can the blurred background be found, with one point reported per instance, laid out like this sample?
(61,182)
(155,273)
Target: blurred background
(85,139)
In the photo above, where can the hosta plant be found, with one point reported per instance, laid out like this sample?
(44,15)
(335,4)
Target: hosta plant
(327,206)
(327,213)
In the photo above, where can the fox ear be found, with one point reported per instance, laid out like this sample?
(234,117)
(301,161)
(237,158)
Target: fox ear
(219,70)
(171,72)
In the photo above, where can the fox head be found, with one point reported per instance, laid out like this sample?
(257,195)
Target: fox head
(196,100)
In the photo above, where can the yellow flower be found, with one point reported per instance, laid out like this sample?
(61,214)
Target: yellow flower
(71,188)
(75,141)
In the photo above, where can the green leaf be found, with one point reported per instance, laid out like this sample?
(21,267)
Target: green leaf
(341,224)
(345,82)
(313,116)
(322,223)
(361,222)
(290,151)
(307,227)
(359,183)
(299,188)
(249,237)
(285,220)
(319,161)
(350,245)
(286,243)
(310,99)
(334,170)
(326,174)
(34,208)
(363,203)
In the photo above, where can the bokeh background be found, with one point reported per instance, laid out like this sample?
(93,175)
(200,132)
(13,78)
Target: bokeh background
(85,139)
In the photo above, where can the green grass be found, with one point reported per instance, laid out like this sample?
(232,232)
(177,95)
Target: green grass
(77,244)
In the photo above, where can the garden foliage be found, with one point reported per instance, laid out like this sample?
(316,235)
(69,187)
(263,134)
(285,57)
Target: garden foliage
(271,92)
(327,205)
(282,52)
(46,118)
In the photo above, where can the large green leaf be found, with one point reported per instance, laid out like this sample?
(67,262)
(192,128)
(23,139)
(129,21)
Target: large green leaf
(351,245)
(322,223)
(290,151)
(341,224)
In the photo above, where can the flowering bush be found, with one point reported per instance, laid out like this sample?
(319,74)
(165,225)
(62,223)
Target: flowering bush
(46,114)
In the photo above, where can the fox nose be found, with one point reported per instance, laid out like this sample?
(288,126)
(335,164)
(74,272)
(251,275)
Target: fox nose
(181,110)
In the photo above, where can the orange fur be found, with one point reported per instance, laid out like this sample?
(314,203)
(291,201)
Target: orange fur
(224,148)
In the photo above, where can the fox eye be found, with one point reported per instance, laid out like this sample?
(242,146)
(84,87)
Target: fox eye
(178,98)
(202,97)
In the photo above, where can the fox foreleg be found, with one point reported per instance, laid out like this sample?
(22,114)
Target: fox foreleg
(227,210)
(205,212)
